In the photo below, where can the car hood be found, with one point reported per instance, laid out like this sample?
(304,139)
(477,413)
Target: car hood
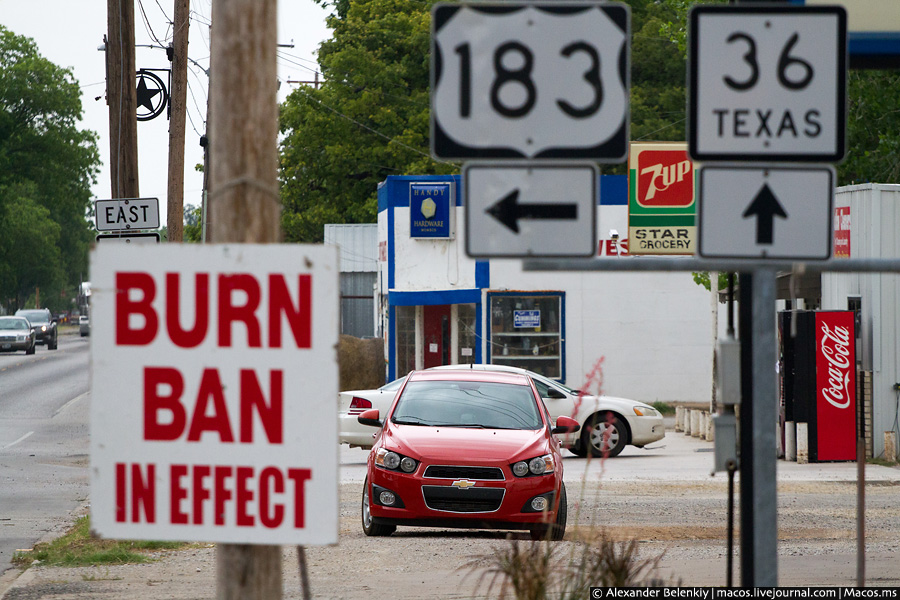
(480,445)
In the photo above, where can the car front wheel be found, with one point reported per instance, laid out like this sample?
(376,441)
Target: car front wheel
(32,349)
(51,345)
(604,435)
(557,530)
(370,527)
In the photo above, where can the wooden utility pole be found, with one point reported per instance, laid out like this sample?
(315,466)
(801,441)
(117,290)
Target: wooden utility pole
(178,108)
(121,96)
(244,204)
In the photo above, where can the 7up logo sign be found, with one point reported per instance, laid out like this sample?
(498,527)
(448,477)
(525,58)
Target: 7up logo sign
(661,202)
(665,178)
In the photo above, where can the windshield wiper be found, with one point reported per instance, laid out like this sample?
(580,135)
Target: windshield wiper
(409,421)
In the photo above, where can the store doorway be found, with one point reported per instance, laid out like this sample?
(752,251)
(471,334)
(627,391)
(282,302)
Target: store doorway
(437,335)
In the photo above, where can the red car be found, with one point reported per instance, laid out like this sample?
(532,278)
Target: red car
(470,449)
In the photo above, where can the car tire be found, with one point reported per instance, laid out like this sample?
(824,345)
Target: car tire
(32,349)
(557,530)
(578,449)
(604,435)
(51,345)
(370,527)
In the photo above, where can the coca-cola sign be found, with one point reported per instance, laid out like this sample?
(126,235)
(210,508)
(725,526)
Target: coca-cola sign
(835,385)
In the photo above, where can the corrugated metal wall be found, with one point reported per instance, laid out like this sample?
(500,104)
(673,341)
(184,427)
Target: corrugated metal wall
(358,244)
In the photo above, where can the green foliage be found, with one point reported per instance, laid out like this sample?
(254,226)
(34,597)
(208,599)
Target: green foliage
(47,167)
(370,118)
(192,224)
(77,548)
(702,278)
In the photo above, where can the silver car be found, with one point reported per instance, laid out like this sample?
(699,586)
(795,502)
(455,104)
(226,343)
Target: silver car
(84,325)
(16,334)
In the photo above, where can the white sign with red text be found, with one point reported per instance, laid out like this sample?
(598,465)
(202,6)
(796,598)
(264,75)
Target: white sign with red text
(214,373)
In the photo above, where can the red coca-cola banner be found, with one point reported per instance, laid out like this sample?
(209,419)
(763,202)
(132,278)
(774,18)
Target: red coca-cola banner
(835,385)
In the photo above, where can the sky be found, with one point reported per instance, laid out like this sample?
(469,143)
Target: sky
(68,33)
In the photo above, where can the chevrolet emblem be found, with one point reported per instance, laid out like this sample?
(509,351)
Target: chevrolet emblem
(462,483)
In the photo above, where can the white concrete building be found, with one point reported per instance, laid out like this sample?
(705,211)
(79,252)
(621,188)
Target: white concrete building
(649,335)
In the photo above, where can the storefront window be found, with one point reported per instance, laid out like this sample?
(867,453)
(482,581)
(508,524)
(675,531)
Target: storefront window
(406,339)
(526,332)
(465,315)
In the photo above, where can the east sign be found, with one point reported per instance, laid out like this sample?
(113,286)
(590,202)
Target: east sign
(123,214)
(214,374)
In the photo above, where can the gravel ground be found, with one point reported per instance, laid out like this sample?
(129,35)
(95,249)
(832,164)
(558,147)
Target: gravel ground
(684,520)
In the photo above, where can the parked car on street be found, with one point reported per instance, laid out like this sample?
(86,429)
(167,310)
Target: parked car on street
(84,325)
(465,448)
(44,325)
(608,423)
(354,402)
(16,334)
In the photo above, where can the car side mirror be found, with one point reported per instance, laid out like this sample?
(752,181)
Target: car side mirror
(370,417)
(555,394)
(565,425)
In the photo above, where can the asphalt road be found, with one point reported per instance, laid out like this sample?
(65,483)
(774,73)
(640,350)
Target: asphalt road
(44,427)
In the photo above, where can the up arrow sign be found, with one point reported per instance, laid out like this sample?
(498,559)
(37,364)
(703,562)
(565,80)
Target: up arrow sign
(738,205)
(765,207)
(508,211)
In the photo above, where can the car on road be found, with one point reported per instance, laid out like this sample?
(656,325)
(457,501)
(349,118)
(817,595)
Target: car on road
(469,449)
(16,334)
(44,325)
(84,325)
(608,423)
(354,402)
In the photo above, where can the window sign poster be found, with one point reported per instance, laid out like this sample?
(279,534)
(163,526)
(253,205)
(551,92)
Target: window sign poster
(527,319)
(430,213)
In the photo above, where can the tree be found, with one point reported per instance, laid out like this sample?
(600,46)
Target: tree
(47,167)
(369,119)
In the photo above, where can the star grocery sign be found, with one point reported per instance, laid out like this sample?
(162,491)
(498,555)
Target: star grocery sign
(662,208)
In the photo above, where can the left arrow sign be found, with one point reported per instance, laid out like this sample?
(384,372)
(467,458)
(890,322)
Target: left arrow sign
(508,211)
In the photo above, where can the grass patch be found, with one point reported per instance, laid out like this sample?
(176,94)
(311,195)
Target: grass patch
(77,548)
(881,462)
(663,408)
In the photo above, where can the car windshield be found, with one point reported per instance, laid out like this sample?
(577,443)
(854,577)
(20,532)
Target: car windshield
(11,324)
(392,386)
(467,404)
(35,316)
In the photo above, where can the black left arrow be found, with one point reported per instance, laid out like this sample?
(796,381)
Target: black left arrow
(765,207)
(508,211)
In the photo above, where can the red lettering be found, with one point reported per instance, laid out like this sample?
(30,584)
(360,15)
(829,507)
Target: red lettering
(299,477)
(272,415)
(126,307)
(121,491)
(200,492)
(143,494)
(222,493)
(246,313)
(210,389)
(154,402)
(179,493)
(268,519)
(299,319)
(193,337)
(244,497)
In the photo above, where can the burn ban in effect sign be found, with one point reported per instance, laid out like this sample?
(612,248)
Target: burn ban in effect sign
(214,373)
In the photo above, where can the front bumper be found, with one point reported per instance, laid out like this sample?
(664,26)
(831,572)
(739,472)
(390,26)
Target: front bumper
(471,503)
(11,344)
(646,430)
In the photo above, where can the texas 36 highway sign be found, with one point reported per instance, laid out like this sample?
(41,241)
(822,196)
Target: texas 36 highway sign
(767,83)
(525,80)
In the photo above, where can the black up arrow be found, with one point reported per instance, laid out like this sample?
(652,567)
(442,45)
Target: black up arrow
(765,207)
(508,211)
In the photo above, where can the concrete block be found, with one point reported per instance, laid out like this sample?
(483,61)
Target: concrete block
(802,443)
(790,441)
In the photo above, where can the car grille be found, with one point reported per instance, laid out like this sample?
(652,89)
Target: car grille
(471,500)
(477,473)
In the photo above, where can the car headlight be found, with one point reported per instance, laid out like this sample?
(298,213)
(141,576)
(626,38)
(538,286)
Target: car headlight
(43,328)
(393,461)
(645,411)
(535,466)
